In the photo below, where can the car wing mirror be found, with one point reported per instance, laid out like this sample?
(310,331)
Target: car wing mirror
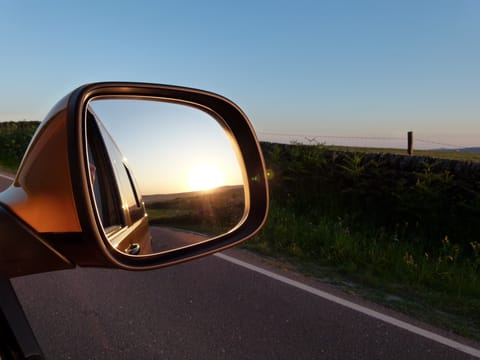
(167,165)
(138,176)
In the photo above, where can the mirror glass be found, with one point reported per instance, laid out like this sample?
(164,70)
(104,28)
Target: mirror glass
(174,162)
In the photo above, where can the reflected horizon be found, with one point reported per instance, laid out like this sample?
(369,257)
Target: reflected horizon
(185,168)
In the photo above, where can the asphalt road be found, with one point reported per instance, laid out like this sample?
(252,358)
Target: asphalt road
(164,238)
(211,308)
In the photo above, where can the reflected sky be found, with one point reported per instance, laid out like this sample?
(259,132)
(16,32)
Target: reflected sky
(168,146)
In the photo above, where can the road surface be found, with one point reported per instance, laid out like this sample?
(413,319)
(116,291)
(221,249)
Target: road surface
(164,238)
(216,308)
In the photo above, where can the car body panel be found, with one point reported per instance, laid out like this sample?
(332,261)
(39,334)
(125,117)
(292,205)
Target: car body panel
(42,193)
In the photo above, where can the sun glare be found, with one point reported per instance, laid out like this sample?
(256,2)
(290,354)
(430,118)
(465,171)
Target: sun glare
(205,177)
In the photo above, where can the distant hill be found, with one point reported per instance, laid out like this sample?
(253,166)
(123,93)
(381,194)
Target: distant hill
(471,150)
(468,150)
(158,198)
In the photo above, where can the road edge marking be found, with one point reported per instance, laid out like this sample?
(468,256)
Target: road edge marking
(356,307)
(8,177)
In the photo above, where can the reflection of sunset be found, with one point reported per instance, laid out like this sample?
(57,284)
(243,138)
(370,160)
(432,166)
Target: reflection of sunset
(205,177)
(183,150)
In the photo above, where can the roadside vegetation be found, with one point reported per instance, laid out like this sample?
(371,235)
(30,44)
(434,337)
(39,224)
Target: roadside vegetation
(14,139)
(398,230)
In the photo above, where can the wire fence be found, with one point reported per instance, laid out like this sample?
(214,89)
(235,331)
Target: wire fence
(356,141)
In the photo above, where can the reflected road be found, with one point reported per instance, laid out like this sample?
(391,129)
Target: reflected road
(164,238)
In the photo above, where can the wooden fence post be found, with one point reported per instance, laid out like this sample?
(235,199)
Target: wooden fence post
(410,143)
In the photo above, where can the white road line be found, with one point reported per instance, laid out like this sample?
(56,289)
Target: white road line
(375,314)
(8,177)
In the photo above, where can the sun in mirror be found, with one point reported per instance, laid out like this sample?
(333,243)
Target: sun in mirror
(205,177)
(184,164)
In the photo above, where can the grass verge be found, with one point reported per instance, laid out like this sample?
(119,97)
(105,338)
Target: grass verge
(441,288)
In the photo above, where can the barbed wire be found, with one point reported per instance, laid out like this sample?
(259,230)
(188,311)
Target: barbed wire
(331,136)
(316,138)
(439,143)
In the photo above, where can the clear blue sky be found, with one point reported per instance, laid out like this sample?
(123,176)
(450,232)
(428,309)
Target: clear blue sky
(336,68)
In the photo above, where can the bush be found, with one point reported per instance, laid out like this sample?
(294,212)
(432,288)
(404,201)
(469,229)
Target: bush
(14,139)
(416,200)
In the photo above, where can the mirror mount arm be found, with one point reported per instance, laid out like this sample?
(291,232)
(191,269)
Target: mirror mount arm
(23,251)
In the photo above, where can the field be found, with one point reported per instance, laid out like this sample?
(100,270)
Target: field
(403,228)
(211,212)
